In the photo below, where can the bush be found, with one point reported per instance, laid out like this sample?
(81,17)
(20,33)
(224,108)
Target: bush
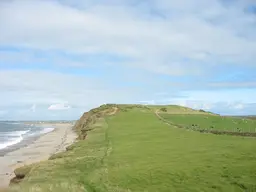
(57,156)
(22,171)
(69,148)
(163,109)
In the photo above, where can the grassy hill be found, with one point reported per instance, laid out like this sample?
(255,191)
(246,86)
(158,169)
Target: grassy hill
(253,117)
(127,148)
(217,123)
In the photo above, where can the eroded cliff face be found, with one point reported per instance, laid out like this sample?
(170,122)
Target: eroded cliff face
(83,125)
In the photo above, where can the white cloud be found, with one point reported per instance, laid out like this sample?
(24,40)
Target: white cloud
(229,96)
(2,112)
(197,29)
(33,108)
(30,57)
(218,107)
(23,91)
(237,101)
(175,38)
(237,106)
(195,104)
(59,106)
(161,93)
(27,90)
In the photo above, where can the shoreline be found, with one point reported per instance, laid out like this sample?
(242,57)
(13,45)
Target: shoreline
(40,149)
(24,143)
(27,140)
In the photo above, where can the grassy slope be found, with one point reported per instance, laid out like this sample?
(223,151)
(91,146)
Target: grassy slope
(253,117)
(176,109)
(71,170)
(134,151)
(212,122)
(148,155)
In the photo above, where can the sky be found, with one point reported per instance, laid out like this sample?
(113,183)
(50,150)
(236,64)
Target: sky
(60,58)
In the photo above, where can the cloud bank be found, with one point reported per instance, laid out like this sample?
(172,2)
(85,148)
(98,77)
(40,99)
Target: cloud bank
(199,53)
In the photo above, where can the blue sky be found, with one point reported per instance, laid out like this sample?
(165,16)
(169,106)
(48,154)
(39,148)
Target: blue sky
(59,58)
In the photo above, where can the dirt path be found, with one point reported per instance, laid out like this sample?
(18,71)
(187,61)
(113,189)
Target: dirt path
(115,111)
(162,119)
(244,134)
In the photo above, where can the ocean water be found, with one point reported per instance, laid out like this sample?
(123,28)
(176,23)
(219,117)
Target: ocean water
(14,133)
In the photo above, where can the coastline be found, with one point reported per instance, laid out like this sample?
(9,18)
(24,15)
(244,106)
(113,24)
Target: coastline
(39,150)
(24,143)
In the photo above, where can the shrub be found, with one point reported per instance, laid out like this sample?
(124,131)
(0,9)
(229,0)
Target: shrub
(20,173)
(57,156)
(69,148)
(163,109)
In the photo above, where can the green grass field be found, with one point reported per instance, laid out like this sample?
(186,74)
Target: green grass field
(210,122)
(133,151)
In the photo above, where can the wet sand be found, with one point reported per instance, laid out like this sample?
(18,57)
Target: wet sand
(40,150)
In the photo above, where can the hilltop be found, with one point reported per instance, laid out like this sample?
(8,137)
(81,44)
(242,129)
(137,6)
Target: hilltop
(149,148)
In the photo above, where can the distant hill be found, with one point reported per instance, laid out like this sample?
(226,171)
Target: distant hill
(253,117)
(131,148)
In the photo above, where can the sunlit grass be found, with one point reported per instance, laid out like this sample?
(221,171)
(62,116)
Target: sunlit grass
(210,122)
(133,151)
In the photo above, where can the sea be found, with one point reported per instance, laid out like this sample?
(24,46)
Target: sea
(14,135)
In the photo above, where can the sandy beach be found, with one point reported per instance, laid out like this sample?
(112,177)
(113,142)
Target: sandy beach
(40,150)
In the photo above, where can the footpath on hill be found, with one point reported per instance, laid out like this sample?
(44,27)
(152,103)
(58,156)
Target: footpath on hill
(129,149)
(213,131)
